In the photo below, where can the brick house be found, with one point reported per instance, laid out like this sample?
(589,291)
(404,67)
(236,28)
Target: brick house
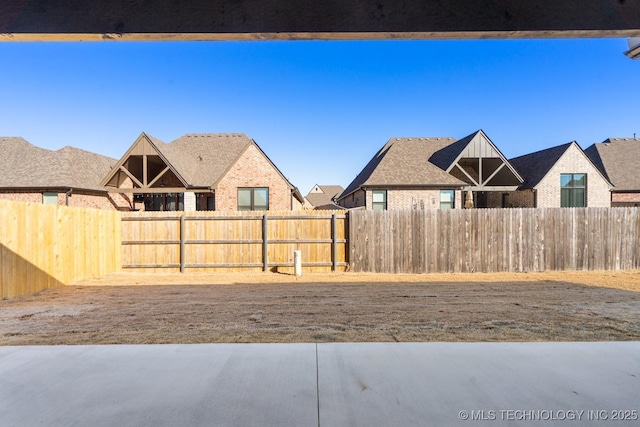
(618,159)
(68,176)
(561,176)
(427,173)
(225,172)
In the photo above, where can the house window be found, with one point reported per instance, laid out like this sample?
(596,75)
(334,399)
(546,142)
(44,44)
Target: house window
(211,203)
(253,199)
(170,202)
(447,199)
(164,202)
(205,202)
(379,200)
(50,198)
(573,190)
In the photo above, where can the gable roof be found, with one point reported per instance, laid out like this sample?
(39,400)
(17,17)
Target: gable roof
(326,196)
(534,166)
(201,160)
(618,159)
(24,165)
(446,157)
(405,162)
(477,144)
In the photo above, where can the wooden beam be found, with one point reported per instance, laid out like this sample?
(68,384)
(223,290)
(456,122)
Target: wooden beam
(490,188)
(130,175)
(145,181)
(495,172)
(159,176)
(45,20)
(468,176)
(634,48)
(157,190)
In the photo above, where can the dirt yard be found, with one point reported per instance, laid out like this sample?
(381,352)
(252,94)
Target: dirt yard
(268,307)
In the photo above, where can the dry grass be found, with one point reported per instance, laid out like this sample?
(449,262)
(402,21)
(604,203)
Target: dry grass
(267,307)
(626,280)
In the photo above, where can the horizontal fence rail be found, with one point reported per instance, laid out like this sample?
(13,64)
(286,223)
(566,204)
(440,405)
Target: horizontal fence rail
(45,246)
(494,240)
(244,240)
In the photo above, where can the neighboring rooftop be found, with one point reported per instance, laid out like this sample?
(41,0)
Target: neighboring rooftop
(534,167)
(618,160)
(23,165)
(202,159)
(405,162)
(198,160)
(324,195)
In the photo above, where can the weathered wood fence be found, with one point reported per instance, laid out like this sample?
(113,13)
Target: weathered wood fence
(494,240)
(233,241)
(43,246)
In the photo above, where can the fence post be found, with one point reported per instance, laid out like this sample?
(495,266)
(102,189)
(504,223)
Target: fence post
(334,243)
(265,254)
(182,244)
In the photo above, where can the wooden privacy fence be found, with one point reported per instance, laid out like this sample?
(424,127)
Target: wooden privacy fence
(233,241)
(494,240)
(43,246)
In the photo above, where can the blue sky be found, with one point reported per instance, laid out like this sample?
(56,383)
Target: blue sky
(320,109)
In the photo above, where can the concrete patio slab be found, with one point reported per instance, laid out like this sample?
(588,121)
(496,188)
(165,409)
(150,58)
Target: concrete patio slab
(159,385)
(350,384)
(461,384)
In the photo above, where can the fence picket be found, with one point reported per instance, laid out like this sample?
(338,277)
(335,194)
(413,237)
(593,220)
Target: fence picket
(513,240)
(43,246)
(233,241)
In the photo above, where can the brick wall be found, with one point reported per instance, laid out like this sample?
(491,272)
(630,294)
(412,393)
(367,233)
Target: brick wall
(494,199)
(573,161)
(402,198)
(517,199)
(296,205)
(625,199)
(114,201)
(252,170)
(522,198)
(354,200)
(22,197)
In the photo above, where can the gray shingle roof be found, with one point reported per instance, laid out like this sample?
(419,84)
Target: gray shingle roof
(326,197)
(405,162)
(202,159)
(535,166)
(24,165)
(15,150)
(444,157)
(618,160)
